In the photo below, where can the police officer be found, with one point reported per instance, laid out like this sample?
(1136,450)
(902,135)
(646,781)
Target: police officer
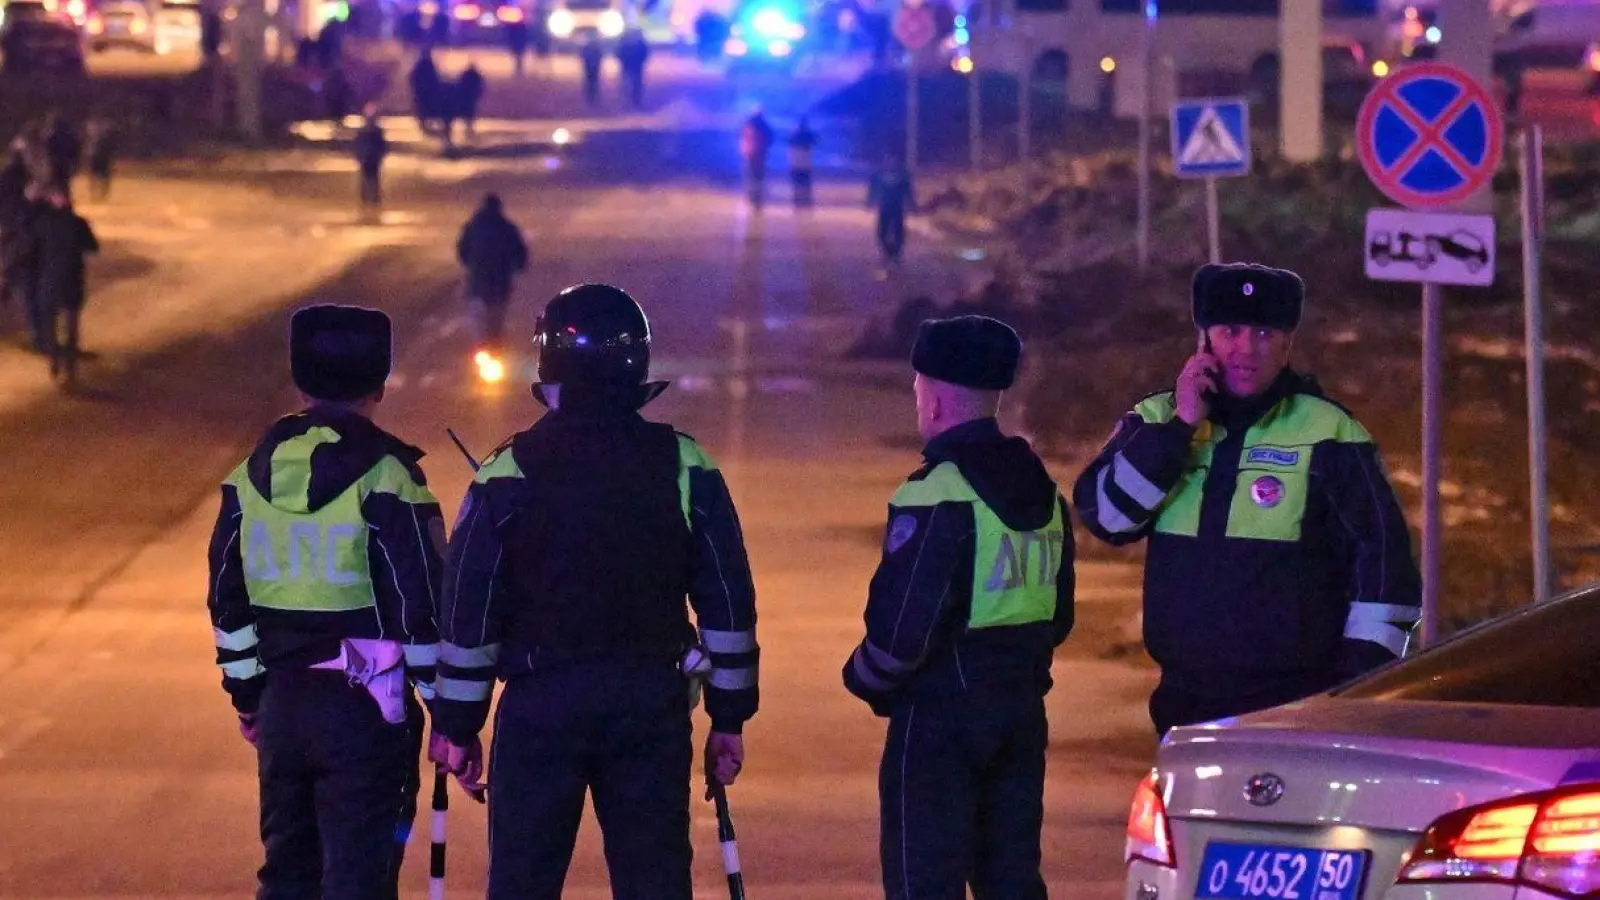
(325,566)
(1279,563)
(577,544)
(972,596)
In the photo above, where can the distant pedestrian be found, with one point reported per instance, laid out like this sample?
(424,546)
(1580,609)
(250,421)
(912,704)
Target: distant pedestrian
(425,90)
(371,147)
(64,238)
(469,91)
(710,33)
(450,103)
(63,151)
(893,196)
(801,145)
(517,43)
(541,31)
(594,57)
(492,250)
(102,154)
(336,96)
(755,142)
(633,51)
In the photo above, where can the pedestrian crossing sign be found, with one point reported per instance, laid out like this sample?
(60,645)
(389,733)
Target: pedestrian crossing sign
(1211,138)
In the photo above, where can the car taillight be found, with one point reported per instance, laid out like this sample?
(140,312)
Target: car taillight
(467,12)
(510,15)
(1149,837)
(1549,840)
(96,24)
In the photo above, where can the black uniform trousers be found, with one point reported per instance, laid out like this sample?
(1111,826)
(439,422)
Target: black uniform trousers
(338,789)
(618,731)
(961,792)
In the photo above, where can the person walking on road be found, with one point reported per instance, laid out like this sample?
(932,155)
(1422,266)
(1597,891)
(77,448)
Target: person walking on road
(893,195)
(62,240)
(517,44)
(102,155)
(426,91)
(469,90)
(594,58)
(802,146)
(1279,563)
(578,544)
(973,593)
(371,148)
(325,572)
(63,151)
(755,144)
(492,250)
(633,51)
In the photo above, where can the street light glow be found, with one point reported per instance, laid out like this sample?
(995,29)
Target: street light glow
(963,64)
(1380,69)
(1108,65)
(1433,34)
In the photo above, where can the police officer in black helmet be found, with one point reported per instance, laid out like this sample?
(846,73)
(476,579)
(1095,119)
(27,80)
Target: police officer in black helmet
(575,549)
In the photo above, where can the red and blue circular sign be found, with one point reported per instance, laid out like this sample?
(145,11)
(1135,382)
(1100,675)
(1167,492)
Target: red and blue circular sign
(1429,136)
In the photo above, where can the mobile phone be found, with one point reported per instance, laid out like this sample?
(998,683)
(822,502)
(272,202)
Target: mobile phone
(1209,395)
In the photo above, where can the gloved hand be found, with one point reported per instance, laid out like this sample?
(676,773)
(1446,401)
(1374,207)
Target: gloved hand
(724,758)
(465,763)
(250,729)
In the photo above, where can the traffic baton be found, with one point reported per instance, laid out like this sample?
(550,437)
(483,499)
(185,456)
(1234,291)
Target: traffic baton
(730,843)
(441,807)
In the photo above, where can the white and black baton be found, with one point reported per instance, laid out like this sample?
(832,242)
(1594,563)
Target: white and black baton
(441,807)
(729,841)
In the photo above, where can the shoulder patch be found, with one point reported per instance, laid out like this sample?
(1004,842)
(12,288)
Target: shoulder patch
(901,530)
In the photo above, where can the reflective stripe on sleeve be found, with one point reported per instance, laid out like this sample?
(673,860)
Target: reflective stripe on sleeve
(1386,624)
(733,679)
(729,641)
(243,639)
(465,691)
(422,655)
(1111,518)
(242,669)
(1134,484)
(468,657)
(864,672)
(884,660)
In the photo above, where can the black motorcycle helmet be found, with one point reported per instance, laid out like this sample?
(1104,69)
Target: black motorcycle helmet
(595,338)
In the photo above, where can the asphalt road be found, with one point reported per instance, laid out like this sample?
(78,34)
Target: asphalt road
(121,774)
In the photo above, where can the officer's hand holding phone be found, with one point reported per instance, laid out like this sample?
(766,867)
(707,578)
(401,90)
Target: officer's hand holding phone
(1198,384)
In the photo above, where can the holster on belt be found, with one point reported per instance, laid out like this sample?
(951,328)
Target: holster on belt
(378,666)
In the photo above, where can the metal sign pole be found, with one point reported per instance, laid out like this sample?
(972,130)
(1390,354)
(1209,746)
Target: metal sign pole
(1533,330)
(974,119)
(1213,221)
(1146,66)
(1432,421)
(1025,108)
(911,113)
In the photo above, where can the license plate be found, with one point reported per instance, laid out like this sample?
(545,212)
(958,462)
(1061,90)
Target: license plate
(1254,872)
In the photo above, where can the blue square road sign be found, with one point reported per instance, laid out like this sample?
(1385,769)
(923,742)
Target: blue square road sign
(1211,138)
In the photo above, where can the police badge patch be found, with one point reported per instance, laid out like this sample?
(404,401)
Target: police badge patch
(1267,491)
(900,531)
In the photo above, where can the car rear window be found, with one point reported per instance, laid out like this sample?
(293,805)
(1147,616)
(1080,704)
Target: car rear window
(1544,656)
